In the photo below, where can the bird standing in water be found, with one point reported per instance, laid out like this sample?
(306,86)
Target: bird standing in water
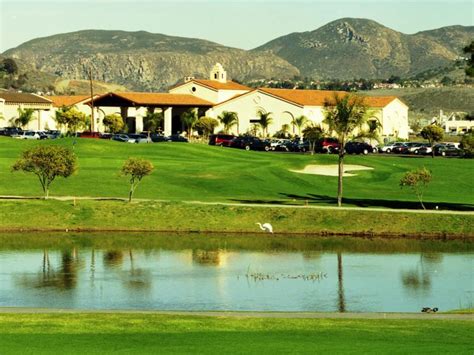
(267,227)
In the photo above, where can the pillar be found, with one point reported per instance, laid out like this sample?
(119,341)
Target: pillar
(139,123)
(168,115)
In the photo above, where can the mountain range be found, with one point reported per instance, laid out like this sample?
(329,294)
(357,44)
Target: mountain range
(347,48)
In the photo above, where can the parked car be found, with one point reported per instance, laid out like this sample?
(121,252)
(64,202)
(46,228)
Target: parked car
(388,148)
(89,134)
(52,134)
(327,145)
(178,138)
(358,148)
(156,137)
(31,135)
(400,149)
(139,138)
(415,147)
(106,136)
(447,150)
(424,150)
(250,143)
(220,139)
(120,137)
(11,131)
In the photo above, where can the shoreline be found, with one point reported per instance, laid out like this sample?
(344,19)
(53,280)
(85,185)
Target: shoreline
(323,233)
(247,314)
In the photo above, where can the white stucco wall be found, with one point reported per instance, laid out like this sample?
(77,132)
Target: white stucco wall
(200,91)
(395,120)
(41,117)
(248,105)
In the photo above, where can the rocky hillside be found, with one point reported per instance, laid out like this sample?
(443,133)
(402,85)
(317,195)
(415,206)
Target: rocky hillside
(142,60)
(359,48)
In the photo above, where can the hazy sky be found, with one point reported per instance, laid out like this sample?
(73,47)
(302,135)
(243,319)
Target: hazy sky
(243,23)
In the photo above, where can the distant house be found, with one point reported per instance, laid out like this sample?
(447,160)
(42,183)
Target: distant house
(10,102)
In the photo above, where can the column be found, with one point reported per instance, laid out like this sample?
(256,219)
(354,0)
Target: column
(168,115)
(139,122)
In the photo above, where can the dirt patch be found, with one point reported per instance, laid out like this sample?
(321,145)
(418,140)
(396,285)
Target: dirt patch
(331,170)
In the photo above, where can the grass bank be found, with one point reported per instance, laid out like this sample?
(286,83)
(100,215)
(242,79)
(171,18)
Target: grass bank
(93,215)
(188,172)
(152,333)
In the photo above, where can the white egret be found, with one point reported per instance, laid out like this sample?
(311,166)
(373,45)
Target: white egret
(267,227)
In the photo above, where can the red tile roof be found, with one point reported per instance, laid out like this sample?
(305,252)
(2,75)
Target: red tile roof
(216,85)
(318,97)
(59,101)
(154,99)
(23,98)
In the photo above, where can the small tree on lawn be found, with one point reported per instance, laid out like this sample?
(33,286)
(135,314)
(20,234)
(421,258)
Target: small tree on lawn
(312,133)
(418,181)
(467,145)
(136,169)
(47,163)
(433,134)
(113,122)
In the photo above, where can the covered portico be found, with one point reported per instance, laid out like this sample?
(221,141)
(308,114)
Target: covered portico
(172,106)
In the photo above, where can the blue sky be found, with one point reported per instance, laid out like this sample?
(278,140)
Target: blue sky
(244,24)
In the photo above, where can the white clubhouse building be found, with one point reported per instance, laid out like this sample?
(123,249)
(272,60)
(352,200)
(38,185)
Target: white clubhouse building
(217,94)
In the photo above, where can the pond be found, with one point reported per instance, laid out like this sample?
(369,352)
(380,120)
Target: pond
(279,275)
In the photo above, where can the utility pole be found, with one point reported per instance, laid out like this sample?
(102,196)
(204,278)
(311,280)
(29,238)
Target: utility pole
(92,100)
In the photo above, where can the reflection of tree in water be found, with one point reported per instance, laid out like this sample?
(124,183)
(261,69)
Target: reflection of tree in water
(311,255)
(206,257)
(63,277)
(113,258)
(340,285)
(136,278)
(418,279)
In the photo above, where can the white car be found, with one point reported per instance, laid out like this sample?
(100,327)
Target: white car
(388,148)
(29,135)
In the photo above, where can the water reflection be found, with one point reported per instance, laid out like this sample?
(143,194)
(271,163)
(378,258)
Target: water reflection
(418,278)
(218,279)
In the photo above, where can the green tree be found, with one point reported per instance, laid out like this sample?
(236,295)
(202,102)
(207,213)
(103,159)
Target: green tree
(152,120)
(283,132)
(136,169)
(190,118)
(228,120)
(113,122)
(433,134)
(265,120)
(300,122)
(312,133)
(343,116)
(417,180)
(469,49)
(24,117)
(207,125)
(47,163)
(71,118)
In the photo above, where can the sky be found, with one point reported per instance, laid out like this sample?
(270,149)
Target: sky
(243,24)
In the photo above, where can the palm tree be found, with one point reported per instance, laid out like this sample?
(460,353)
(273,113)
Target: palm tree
(152,120)
(343,116)
(265,121)
(190,118)
(312,133)
(24,117)
(299,122)
(228,120)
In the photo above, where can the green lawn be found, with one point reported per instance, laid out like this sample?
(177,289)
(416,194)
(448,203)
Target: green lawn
(206,173)
(150,333)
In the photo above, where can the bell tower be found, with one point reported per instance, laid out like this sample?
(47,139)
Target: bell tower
(218,73)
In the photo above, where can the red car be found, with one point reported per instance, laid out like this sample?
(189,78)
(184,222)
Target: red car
(220,139)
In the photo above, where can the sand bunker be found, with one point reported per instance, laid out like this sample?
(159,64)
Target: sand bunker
(331,170)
